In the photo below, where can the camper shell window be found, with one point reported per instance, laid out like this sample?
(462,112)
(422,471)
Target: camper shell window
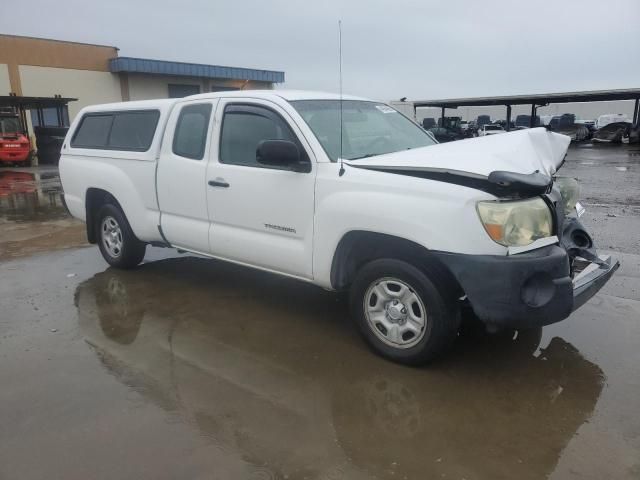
(131,130)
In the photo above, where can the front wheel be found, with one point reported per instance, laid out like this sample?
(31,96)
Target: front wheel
(403,313)
(117,242)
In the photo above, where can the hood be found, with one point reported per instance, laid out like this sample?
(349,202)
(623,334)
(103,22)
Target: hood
(523,151)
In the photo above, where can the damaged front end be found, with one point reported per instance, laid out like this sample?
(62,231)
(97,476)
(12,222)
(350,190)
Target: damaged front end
(551,265)
(540,284)
(589,271)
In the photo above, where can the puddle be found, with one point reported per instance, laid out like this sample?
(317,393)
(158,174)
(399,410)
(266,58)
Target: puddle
(214,335)
(26,196)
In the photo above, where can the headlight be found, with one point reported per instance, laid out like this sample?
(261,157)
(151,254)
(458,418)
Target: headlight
(517,223)
(570,191)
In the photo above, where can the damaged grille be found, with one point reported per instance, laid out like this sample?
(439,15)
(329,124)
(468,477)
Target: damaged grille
(573,236)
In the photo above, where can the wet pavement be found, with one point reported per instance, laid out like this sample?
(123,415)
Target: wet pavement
(32,216)
(193,368)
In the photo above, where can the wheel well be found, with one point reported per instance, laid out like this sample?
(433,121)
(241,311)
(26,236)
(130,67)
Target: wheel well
(94,199)
(360,247)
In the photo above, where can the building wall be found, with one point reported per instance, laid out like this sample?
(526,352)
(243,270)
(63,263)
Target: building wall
(55,53)
(5,84)
(89,87)
(16,51)
(147,87)
(42,67)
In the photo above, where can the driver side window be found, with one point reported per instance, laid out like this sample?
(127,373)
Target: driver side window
(244,127)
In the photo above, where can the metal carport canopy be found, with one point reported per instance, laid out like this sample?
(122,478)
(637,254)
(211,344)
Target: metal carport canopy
(22,104)
(31,103)
(537,99)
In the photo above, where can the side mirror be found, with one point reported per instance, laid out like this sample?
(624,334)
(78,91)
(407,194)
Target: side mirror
(282,154)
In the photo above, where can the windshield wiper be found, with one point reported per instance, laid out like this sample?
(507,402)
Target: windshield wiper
(365,156)
(368,155)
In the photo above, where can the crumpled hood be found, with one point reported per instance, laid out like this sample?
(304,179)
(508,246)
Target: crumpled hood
(522,151)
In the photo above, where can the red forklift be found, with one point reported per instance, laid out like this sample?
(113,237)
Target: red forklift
(15,147)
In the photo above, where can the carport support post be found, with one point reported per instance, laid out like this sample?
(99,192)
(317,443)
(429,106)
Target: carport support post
(442,118)
(508,117)
(532,120)
(636,112)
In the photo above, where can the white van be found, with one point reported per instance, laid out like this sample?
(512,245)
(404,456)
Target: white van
(414,230)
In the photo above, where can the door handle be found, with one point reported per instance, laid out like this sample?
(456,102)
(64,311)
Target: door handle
(218,183)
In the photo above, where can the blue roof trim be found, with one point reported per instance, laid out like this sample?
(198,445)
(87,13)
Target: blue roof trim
(163,67)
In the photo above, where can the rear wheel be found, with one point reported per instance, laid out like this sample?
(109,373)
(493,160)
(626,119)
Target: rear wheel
(118,245)
(404,314)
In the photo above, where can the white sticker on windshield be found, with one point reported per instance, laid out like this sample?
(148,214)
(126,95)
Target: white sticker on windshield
(385,109)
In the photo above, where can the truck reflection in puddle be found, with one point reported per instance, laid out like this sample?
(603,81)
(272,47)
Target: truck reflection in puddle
(265,368)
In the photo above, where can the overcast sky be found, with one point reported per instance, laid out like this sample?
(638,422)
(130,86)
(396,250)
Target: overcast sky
(419,49)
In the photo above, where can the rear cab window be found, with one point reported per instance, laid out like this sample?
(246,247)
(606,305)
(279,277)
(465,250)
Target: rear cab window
(190,136)
(123,130)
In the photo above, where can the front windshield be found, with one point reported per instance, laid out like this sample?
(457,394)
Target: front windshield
(369,128)
(9,125)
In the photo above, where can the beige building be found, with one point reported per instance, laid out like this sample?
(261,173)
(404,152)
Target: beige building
(37,67)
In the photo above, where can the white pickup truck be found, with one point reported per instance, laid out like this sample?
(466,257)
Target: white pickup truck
(346,194)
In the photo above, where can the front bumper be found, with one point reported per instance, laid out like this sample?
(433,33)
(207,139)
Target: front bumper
(529,289)
(587,283)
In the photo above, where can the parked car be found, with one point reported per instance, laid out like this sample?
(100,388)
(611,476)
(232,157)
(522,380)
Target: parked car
(490,130)
(604,120)
(274,180)
(590,124)
(450,123)
(428,123)
(567,119)
(483,120)
(586,123)
(576,132)
(444,135)
(468,129)
(525,121)
(503,124)
(554,123)
(613,133)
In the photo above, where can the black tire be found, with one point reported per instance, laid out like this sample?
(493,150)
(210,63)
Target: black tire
(132,250)
(435,293)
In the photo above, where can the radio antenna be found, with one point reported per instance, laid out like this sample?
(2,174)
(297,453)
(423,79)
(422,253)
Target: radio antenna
(341,171)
